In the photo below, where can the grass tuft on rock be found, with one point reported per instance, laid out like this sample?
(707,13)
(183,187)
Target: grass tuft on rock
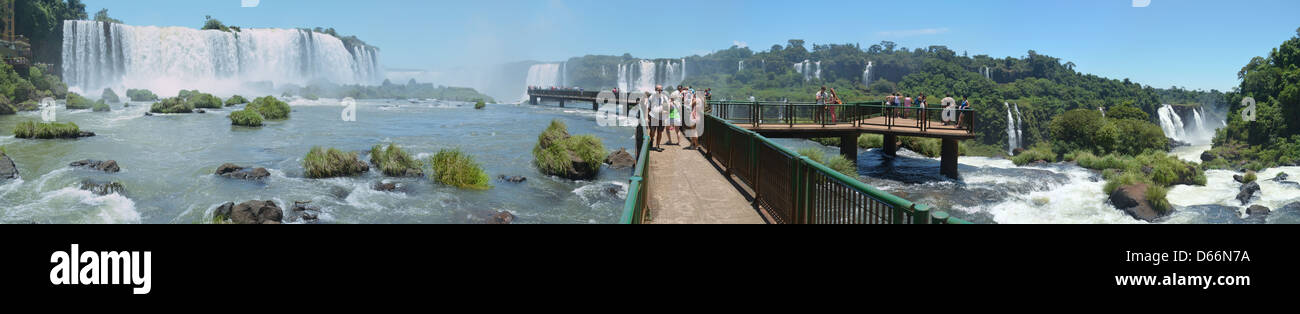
(76,102)
(455,168)
(199,99)
(172,105)
(109,96)
(270,108)
(51,130)
(480,105)
(572,157)
(246,118)
(100,106)
(395,162)
(836,162)
(140,95)
(330,163)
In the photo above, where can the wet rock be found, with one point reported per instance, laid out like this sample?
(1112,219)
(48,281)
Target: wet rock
(1248,191)
(1132,199)
(8,170)
(613,190)
(244,173)
(1208,157)
(200,111)
(1017,151)
(1257,210)
(620,159)
(1176,144)
(223,211)
(86,134)
(385,187)
(1281,176)
(256,212)
(1238,178)
(512,179)
(304,211)
(501,218)
(102,188)
(109,166)
(299,206)
(310,218)
(148,114)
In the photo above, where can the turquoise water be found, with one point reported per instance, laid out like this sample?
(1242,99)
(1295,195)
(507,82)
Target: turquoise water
(167,163)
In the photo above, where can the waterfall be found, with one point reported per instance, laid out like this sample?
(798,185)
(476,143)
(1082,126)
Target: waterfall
(809,69)
(622,79)
(818,74)
(1200,124)
(646,77)
(683,79)
(1020,121)
(1013,129)
(866,75)
(564,74)
(97,55)
(740,66)
(1171,123)
(544,75)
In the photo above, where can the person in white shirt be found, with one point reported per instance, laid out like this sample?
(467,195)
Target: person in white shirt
(656,102)
(695,118)
(674,108)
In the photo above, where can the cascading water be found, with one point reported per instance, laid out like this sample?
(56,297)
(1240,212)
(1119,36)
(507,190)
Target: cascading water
(545,75)
(866,74)
(1171,123)
(643,75)
(1020,121)
(99,55)
(740,66)
(1013,129)
(809,69)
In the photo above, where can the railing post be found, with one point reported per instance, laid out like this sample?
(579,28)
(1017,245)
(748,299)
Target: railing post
(921,215)
(938,217)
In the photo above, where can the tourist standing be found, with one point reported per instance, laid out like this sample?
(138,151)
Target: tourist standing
(822,97)
(657,101)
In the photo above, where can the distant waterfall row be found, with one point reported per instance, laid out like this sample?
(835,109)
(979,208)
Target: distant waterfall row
(810,70)
(1197,132)
(97,55)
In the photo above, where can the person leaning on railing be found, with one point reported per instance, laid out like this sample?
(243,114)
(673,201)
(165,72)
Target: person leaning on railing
(961,112)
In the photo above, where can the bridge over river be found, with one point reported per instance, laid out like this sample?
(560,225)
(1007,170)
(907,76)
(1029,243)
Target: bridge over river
(741,176)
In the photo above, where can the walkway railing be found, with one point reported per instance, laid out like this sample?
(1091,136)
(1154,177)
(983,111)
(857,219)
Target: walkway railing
(793,189)
(634,209)
(862,114)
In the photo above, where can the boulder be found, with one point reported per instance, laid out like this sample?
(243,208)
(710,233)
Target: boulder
(8,170)
(1257,210)
(305,211)
(620,159)
(102,188)
(1017,151)
(385,187)
(200,111)
(256,212)
(109,166)
(1238,178)
(581,170)
(223,211)
(501,218)
(244,173)
(1248,191)
(148,114)
(1281,176)
(512,179)
(85,134)
(1208,157)
(1132,199)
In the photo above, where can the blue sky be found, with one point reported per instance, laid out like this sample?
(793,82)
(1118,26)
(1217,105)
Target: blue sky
(1199,44)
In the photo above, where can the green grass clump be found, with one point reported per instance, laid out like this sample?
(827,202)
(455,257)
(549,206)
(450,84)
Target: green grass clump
(322,163)
(172,105)
(199,99)
(246,118)
(1040,151)
(32,129)
(836,162)
(270,108)
(109,96)
(555,149)
(871,141)
(76,102)
(1123,179)
(455,168)
(235,100)
(1156,197)
(480,105)
(141,95)
(393,161)
(100,106)
(1249,177)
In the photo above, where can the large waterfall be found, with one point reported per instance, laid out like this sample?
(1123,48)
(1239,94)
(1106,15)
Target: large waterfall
(99,55)
(545,75)
(1171,123)
(643,75)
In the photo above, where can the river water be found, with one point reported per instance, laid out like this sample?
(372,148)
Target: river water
(994,190)
(168,162)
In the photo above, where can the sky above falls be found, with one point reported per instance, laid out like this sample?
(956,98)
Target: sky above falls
(1197,44)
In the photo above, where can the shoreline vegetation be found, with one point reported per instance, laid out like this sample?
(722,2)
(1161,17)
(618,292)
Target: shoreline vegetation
(571,157)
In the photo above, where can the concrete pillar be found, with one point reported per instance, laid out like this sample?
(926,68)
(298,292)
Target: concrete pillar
(891,145)
(595,106)
(532,100)
(849,147)
(948,159)
(561,103)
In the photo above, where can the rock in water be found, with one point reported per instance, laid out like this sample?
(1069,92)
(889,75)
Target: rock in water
(1132,199)
(512,179)
(109,166)
(620,159)
(385,187)
(1208,157)
(1257,210)
(1281,176)
(245,173)
(256,212)
(501,218)
(102,188)
(1248,191)
(8,170)
(223,211)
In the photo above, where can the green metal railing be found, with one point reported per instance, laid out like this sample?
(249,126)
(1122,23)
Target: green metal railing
(796,190)
(634,209)
(758,113)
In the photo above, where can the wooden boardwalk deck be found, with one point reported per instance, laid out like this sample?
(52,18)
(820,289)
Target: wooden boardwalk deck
(686,189)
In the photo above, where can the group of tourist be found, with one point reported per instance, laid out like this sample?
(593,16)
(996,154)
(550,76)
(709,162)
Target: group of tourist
(824,99)
(676,113)
(906,102)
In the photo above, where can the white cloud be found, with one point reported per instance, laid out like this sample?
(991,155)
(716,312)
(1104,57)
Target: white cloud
(913,32)
(250,3)
(740,44)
